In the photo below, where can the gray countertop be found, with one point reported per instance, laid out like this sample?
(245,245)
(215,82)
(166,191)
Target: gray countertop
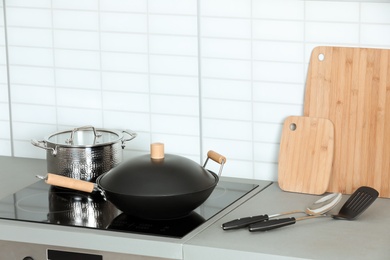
(367,237)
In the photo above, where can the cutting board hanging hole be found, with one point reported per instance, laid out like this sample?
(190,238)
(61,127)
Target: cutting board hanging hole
(321,57)
(293,127)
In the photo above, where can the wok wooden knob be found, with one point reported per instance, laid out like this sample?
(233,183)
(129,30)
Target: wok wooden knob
(157,151)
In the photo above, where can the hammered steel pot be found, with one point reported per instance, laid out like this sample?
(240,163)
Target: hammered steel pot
(84,153)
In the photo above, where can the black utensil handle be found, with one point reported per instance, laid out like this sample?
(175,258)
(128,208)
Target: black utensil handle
(272,224)
(243,222)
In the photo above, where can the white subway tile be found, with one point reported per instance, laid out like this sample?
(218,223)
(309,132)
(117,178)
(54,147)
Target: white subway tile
(177,25)
(25,149)
(266,152)
(278,51)
(3,93)
(231,149)
(5,148)
(76,40)
(117,81)
(4,111)
(27,17)
(174,105)
(77,20)
(3,60)
(76,4)
(34,113)
(336,33)
(30,3)
(332,11)
(75,59)
(33,95)
(175,65)
(266,171)
(31,75)
(123,22)
(174,85)
(224,27)
(238,169)
(124,62)
(79,116)
(3,75)
(126,102)
(226,8)
(73,78)
(33,37)
(375,12)
(227,129)
(188,7)
(35,131)
(274,113)
(124,5)
(227,109)
(180,125)
(79,98)
(127,120)
(278,30)
(278,9)
(226,48)
(5,132)
(375,34)
(189,149)
(266,132)
(279,72)
(124,42)
(30,56)
(271,92)
(227,69)
(175,45)
(227,89)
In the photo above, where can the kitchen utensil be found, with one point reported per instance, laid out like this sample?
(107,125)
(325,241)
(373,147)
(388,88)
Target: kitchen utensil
(156,186)
(359,201)
(321,206)
(306,155)
(84,153)
(350,86)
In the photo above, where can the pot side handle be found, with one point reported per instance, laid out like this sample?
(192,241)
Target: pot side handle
(132,135)
(70,183)
(43,144)
(216,157)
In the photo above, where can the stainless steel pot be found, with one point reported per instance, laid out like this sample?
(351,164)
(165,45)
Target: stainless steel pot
(84,153)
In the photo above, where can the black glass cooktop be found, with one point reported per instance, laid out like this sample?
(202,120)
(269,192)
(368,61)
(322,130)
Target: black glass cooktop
(42,203)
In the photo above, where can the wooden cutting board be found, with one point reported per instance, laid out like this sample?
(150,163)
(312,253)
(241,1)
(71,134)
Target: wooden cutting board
(306,154)
(351,87)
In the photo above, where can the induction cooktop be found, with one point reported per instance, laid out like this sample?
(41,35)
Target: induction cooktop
(45,204)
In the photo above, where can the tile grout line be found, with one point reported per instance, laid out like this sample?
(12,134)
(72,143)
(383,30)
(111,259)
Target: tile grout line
(8,81)
(201,144)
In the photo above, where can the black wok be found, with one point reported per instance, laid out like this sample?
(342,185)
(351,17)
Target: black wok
(156,186)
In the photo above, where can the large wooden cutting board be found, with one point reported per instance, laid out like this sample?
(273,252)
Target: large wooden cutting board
(351,87)
(305,155)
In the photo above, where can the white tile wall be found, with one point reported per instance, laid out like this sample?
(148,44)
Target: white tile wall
(195,74)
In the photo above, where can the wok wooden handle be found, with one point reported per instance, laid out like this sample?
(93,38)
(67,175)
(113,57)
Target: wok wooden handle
(216,157)
(70,183)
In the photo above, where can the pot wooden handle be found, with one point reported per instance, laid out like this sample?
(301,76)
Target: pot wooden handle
(70,183)
(216,157)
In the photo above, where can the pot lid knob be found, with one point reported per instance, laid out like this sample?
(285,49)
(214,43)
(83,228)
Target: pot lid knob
(157,151)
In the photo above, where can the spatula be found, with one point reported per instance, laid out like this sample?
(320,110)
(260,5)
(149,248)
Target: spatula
(359,201)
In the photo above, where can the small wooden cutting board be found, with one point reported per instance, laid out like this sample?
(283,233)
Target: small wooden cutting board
(306,154)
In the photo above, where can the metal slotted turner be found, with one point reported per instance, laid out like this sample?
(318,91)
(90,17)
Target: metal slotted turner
(359,201)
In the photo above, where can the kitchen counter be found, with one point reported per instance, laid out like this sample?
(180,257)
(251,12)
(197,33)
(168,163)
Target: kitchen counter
(367,237)
(16,173)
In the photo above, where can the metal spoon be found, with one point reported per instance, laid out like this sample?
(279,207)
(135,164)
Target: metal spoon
(321,206)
